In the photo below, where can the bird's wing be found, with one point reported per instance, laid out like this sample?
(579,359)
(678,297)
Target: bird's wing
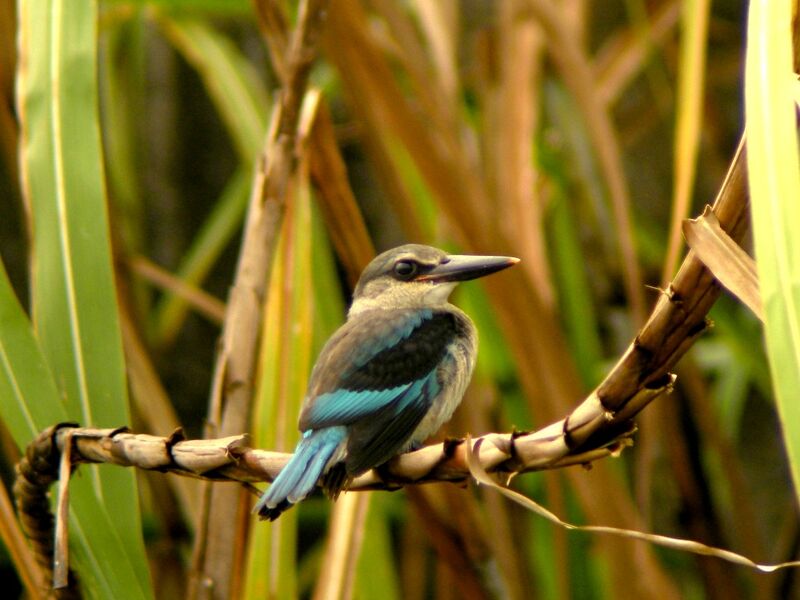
(378,375)
(378,437)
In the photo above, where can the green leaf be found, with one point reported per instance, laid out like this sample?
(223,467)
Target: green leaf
(73,295)
(376,562)
(284,366)
(31,402)
(30,398)
(210,7)
(774,178)
(122,78)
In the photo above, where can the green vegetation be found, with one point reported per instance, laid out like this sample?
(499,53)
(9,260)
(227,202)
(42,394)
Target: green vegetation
(575,135)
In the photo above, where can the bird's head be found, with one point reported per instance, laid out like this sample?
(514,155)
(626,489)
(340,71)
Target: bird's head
(414,276)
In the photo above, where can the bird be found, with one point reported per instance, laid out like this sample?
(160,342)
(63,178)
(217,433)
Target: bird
(389,377)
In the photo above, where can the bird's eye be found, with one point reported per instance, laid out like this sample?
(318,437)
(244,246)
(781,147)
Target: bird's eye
(405,269)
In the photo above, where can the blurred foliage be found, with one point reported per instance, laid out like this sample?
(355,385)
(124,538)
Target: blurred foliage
(575,135)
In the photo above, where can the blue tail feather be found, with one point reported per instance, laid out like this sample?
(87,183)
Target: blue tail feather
(301,474)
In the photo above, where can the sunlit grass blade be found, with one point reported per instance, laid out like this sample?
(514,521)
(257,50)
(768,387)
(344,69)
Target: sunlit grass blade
(687,128)
(122,76)
(222,8)
(284,365)
(73,295)
(774,177)
(31,402)
(24,373)
(376,564)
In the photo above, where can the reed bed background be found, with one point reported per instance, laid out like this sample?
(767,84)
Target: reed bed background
(134,135)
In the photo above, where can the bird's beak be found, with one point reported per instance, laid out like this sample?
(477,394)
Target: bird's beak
(463,268)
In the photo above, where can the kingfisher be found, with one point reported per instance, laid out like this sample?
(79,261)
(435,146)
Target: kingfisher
(389,377)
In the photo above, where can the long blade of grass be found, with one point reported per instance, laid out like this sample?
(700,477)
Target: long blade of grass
(284,365)
(24,373)
(377,563)
(230,404)
(73,295)
(691,84)
(774,177)
(31,402)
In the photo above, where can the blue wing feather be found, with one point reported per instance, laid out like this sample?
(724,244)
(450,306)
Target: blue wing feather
(380,420)
(343,407)
(373,441)
(373,360)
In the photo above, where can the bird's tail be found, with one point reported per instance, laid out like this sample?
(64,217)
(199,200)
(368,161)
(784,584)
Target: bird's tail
(300,475)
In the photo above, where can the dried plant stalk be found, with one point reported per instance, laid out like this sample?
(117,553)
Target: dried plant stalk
(214,562)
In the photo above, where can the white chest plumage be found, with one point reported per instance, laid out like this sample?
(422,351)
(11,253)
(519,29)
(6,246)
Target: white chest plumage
(454,375)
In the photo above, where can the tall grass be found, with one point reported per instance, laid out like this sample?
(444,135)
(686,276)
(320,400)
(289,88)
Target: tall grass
(562,133)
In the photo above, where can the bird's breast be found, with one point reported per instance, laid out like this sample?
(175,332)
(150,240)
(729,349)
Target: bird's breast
(454,374)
